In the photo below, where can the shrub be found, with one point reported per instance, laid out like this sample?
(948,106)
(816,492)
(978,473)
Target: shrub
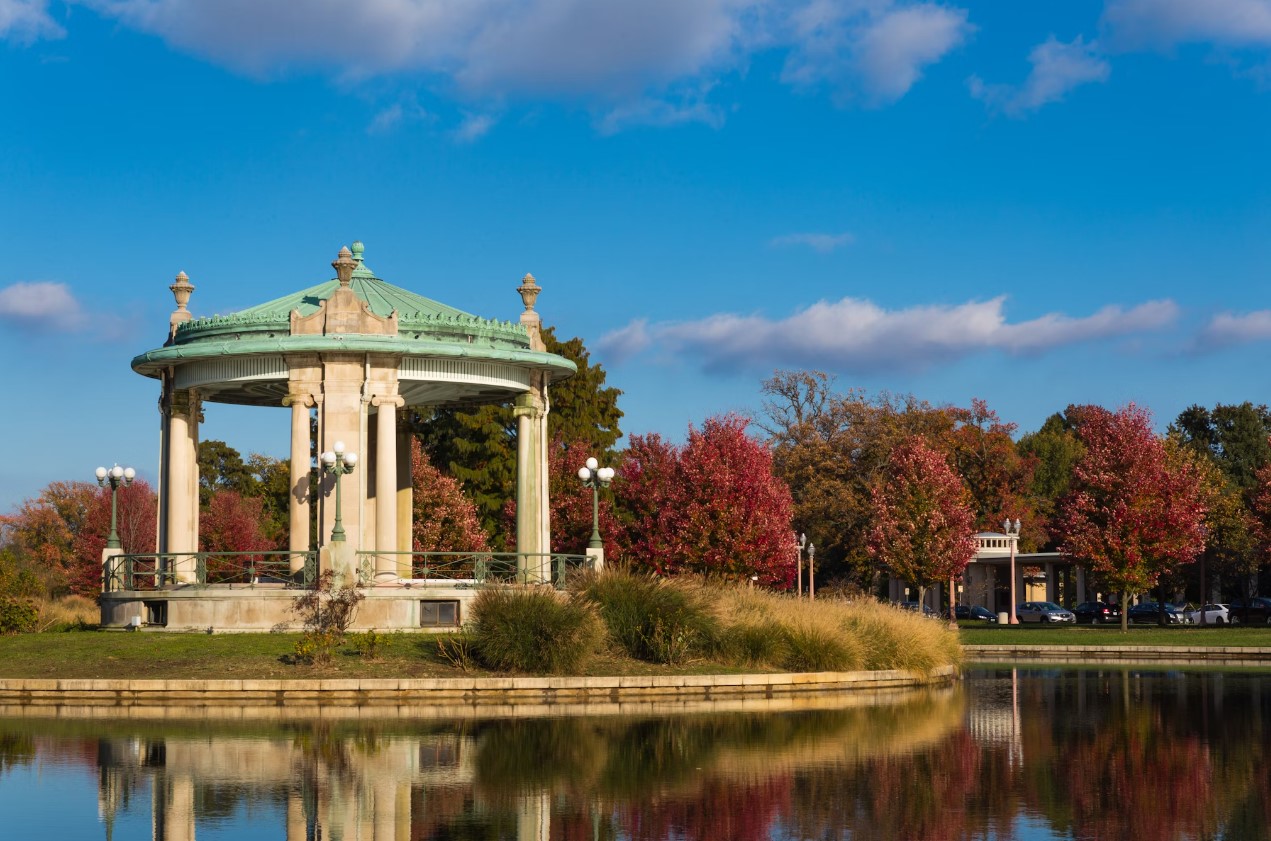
(653,619)
(814,648)
(457,650)
(533,630)
(315,648)
(17,616)
(327,607)
(760,644)
(891,638)
(370,644)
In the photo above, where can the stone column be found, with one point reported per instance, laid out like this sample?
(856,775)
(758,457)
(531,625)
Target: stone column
(530,499)
(386,565)
(301,460)
(182,487)
(405,499)
(1051,591)
(1081,583)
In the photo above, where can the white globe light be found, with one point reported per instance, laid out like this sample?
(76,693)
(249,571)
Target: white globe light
(584,473)
(592,464)
(339,447)
(350,459)
(328,458)
(130,474)
(117,472)
(100,473)
(606,474)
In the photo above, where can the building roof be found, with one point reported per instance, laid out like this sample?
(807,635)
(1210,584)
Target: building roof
(425,330)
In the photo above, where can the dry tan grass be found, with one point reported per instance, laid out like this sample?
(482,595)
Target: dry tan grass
(69,610)
(874,635)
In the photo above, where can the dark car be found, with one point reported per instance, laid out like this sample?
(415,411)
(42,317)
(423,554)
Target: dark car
(1149,613)
(1254,611)
(914,606)
(1097,613)
(981,614)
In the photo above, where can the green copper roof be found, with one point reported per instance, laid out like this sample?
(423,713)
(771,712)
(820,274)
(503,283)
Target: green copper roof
(417,316)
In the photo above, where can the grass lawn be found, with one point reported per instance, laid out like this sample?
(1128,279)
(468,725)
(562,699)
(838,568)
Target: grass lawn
(1137,635)
(175,656)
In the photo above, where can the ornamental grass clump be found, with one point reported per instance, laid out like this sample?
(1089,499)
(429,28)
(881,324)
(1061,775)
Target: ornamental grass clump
(534,630)
(653,619)
(891,638)
(779,631)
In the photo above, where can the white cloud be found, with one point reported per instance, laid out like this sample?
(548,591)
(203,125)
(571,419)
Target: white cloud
(1057,69)
(661,113)
(823,243)
(40,305)
(854,334)
(27,20)
(1165,23)
(618,57)
(1227,329)
(407,110)
(877,47)
(473,128)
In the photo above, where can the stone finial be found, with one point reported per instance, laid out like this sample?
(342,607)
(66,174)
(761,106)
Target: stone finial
(344,265)
(358,248)
(529,290)
(181,289)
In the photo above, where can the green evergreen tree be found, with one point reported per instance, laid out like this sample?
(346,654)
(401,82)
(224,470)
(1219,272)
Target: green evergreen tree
(477,444)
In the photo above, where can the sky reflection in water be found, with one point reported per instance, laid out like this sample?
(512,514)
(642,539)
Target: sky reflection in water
(1030,755)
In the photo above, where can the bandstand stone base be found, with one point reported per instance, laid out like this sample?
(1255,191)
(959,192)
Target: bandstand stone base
(430,607)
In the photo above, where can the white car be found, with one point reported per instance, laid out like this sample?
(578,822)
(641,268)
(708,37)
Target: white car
(1215,614)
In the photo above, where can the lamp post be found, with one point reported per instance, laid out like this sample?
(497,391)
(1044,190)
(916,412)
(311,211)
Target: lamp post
(811,573)
(1012,537)
(595,477)
(115,476)
(801,542)
(338,463)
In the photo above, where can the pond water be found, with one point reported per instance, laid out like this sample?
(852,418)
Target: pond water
(1025,754)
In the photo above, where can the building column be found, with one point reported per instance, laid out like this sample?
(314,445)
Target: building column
(405,499)
(386,565)
(182,486)
(1081,583)
(1051,592)
(531,470)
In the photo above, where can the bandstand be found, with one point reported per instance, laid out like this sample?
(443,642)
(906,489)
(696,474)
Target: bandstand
(346,358)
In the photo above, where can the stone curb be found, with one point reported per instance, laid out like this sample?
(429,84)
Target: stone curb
(499,690)
(1172,655)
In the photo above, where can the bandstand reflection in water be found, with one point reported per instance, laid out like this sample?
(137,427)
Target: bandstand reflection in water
(1031,755)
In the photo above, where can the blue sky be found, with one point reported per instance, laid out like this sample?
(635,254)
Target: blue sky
(1035,203)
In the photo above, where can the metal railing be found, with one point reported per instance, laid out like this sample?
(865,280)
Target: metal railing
(200,569)
(473,569)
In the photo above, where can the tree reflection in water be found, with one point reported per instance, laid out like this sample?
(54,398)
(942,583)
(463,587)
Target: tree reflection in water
(1071,754)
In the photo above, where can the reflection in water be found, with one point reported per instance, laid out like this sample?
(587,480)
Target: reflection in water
(1063,754)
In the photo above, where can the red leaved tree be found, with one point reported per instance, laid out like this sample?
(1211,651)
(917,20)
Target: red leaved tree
(445,520)
(137,509)
(923,526)
(711,506)
(1131,512)
(232,522)
(42,531)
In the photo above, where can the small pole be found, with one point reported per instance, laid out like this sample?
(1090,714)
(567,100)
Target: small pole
(811,574)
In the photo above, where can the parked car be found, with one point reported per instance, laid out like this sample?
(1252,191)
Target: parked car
(1097,613)
(982,614)
(1148,613)
(1043,612)
(1215,614)
(1257,611)
(914,606)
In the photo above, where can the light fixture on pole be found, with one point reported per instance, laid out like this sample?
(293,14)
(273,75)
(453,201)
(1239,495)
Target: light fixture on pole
(802,542)
(338,463)
(595,477)
(811,572)
(115,476)
(1012,537)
